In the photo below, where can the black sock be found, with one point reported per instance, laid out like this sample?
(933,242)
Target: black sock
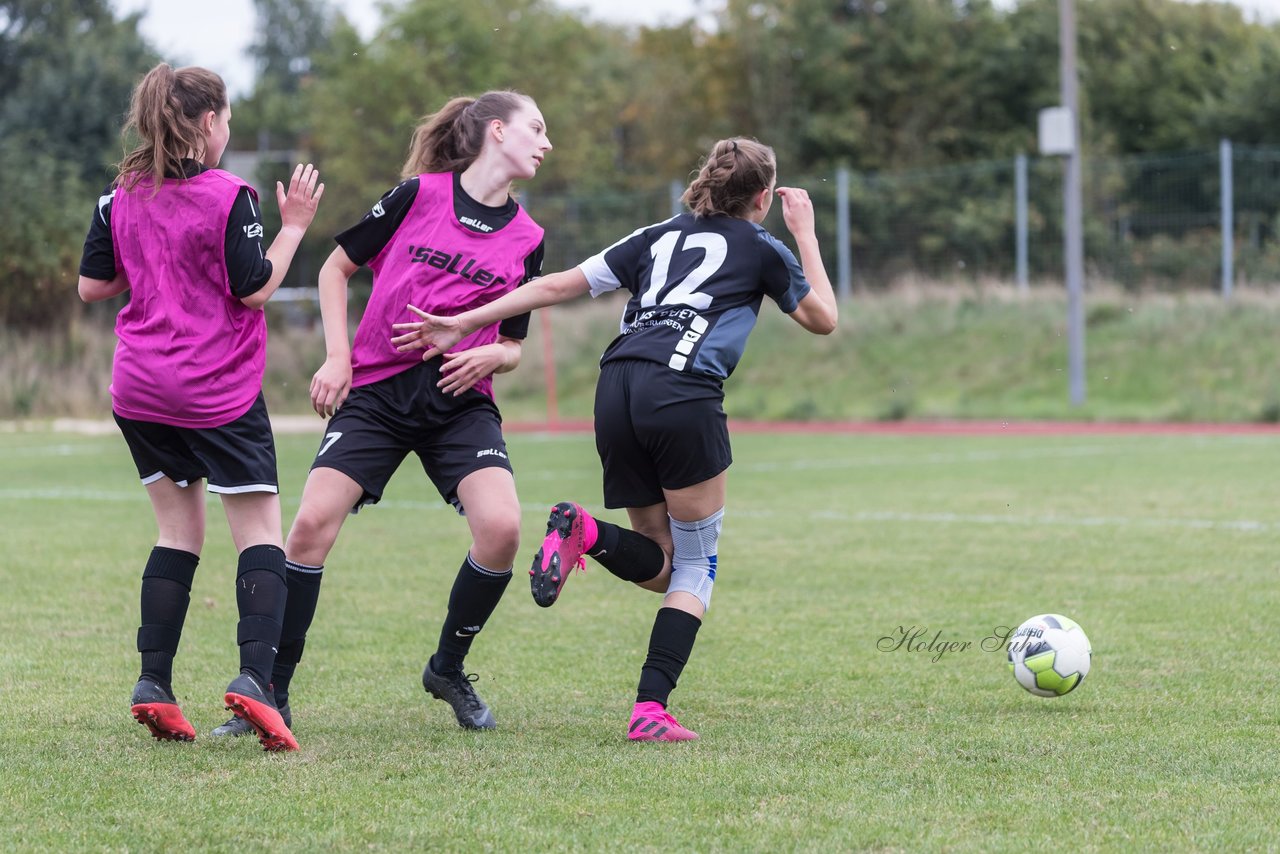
(303,583)
(628,555)
(476,592)
(166,592)
(260,595)
(670,644)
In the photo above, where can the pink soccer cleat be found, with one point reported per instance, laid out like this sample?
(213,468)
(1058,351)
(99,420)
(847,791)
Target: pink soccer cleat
(153,706)
(651,722)
(246,699)
(561,553)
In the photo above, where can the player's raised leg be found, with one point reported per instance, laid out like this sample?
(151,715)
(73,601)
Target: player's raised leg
(573,534)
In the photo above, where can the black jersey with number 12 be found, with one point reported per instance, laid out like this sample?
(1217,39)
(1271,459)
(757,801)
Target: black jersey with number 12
(696,286)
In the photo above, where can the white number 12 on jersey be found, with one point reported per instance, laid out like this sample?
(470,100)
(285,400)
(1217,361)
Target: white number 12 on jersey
(684,293)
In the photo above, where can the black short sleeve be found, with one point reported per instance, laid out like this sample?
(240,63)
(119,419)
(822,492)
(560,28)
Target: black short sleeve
(518,326)
(98,260)
(364,240)
(248,269)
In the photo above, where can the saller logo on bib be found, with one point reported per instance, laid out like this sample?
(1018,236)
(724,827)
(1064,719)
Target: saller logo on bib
(459,264)
(476,224)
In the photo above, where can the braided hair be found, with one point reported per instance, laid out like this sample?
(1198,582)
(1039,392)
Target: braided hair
(731,176)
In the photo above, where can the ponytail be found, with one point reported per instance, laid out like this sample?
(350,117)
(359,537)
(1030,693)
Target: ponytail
(731,176)
(450,139)
(165,116)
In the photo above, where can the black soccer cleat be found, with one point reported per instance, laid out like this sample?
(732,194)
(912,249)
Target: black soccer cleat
(455,689)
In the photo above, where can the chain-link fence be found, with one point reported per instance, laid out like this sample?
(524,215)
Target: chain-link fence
(1150,221)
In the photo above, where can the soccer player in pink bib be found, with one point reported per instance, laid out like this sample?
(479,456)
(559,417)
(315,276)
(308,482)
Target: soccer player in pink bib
(697,281)
(184,238)
(449,236)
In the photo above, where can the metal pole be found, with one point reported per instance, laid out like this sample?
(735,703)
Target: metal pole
(1228,218)
(1020,214)
(844,265)
(549,367)
(1072,204)
(676,189)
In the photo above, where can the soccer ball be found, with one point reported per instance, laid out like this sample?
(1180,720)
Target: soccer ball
(1049,655)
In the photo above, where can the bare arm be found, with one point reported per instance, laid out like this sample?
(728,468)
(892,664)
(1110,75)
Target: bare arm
(96,290)
(332,383)
(437,334)
(818,311)
(297,209)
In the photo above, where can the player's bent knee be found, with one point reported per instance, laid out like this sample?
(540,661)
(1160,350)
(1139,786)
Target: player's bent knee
(313,532)
(693,562)
(696,581)
(499,535)
(659,583)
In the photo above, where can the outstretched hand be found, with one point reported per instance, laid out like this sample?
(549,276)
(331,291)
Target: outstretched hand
(298,205)
(433,334)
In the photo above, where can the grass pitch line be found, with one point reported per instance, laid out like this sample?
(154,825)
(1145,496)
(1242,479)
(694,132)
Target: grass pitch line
(992,456)
(939,458)
(1244,525)
(62,494)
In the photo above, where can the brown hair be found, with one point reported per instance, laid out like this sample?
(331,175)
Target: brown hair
(733,173)
(450,139)
(166,113)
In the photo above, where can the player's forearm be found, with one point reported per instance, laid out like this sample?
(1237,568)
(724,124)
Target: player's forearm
(815,272)
(512,349)
(333,283)
(281,253)
(542,292)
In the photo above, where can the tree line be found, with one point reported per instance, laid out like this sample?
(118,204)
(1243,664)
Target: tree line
(877,86)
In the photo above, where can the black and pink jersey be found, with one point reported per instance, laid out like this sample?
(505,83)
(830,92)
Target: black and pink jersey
(439,264)
(696,286)
(189,352)
(248,269)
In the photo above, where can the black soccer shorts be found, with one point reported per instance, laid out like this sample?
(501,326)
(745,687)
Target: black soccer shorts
(381,423)
(657,429)
(236,457)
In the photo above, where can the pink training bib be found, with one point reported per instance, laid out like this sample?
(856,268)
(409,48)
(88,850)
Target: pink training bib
(189,353)
(442,267)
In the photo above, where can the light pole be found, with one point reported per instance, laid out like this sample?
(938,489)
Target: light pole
(1072,228)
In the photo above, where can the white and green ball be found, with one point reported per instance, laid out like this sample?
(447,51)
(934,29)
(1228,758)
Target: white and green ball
(1049,655)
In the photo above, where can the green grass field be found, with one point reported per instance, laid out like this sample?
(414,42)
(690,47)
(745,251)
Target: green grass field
(1164,548)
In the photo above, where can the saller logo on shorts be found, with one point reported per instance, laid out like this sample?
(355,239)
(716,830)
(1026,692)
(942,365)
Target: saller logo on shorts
(459,264)
(491,452)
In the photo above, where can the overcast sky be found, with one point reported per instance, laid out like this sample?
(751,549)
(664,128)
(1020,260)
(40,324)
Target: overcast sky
(215,33)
